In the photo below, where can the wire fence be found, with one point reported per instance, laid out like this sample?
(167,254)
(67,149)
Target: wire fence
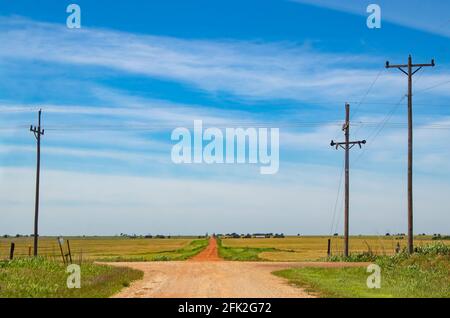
(21,248)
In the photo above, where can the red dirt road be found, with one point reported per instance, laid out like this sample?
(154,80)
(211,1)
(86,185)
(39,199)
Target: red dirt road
(227,279)
(209,254)
(207,275)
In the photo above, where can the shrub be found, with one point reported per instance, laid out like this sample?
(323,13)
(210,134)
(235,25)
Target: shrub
(434,249)
(356,257)
(438,248)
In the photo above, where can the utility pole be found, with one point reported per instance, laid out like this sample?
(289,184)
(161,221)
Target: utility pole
(410,72)
(347,145)
(38,132)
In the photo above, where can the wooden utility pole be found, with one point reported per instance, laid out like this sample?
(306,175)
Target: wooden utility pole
(38,132)
(410,72)
(347,145)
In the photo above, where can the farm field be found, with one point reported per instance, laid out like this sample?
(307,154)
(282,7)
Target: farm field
(109,248)
(309,248)
(291,248)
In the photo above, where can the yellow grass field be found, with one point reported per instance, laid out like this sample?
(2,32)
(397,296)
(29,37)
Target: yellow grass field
(93,248)
(308,248)
(141,249)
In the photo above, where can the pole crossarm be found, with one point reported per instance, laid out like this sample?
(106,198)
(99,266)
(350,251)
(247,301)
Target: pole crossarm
(402,66)
(36,130)
(389,65)
(350,143)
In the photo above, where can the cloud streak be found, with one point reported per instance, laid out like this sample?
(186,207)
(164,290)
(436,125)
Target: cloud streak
(431,16)
(251,70)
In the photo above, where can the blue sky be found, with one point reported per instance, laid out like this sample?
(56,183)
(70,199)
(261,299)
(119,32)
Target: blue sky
(113,91)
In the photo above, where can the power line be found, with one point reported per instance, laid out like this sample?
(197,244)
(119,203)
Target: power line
(375,103)
(432,87)
(341,212)
(338,195)
(293,124)
(365,96)
(367,93)
(378,130)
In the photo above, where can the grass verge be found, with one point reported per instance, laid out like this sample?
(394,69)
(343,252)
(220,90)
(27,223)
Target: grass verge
(42,278)
(424,274)
(241,253)
(192,249)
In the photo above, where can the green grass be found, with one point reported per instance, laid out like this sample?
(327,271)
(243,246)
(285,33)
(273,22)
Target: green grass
(42,278)
(190,250)
(424,274)
(241,253)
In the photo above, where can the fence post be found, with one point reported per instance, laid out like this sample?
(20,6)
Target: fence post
(329,248)
(70,253)
(61,249)
(11,251)
(29,250)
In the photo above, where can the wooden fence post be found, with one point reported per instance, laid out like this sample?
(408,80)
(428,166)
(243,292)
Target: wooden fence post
(329,248)
(61,249)
(11,251)
(70,253)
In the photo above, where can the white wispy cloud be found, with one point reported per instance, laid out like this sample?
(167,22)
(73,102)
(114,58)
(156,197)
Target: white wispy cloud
(430,16)
(127,134)
(132,157)
(254,70)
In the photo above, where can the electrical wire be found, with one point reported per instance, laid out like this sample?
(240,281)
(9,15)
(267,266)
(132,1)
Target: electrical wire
(433,87)
(358,105)
(292,125)
(376,132)
(337,201)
